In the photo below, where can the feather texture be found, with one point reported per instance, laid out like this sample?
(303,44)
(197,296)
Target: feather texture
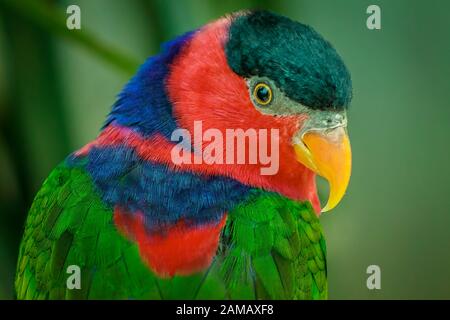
(271,247)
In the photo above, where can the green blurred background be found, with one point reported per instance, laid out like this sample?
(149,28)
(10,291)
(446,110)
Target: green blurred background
(56,87)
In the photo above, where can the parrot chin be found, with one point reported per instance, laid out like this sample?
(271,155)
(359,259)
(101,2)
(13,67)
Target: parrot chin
(326,151)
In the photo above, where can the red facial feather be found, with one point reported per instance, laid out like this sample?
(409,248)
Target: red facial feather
(202,87)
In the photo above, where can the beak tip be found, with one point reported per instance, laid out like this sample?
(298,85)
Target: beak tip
(326,209)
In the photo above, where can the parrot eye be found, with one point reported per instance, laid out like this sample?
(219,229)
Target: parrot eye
(263,94)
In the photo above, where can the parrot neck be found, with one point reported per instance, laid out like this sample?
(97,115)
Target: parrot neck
(161,194)
(292,180)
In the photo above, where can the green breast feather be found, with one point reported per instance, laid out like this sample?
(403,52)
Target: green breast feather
(271,248)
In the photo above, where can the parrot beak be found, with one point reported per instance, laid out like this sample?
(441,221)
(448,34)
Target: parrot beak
(327,152)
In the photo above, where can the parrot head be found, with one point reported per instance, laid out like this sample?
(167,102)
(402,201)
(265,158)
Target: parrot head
(251,71)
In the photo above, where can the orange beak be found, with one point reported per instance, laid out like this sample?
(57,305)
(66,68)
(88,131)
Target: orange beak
(327,153)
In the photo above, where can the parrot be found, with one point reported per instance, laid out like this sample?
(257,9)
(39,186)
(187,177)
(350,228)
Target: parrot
(121,219)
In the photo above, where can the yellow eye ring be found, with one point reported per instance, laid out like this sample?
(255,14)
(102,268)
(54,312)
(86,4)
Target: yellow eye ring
(263,94)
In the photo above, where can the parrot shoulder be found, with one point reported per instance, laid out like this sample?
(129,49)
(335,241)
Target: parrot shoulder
(69,230)
(274,249)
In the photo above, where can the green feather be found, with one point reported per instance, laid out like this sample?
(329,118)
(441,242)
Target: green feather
(277,245)
(271,247)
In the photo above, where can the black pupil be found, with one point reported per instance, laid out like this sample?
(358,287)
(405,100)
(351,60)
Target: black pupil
(263,94)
